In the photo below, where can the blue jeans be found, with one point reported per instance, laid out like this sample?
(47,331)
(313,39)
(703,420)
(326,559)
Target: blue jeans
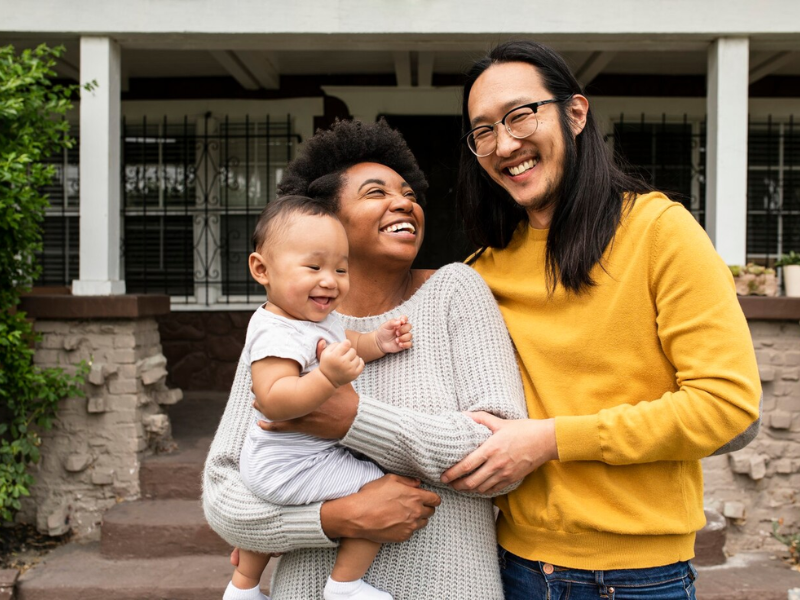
(530,580)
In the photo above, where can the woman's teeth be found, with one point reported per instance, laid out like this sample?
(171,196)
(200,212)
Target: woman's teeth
(521,168)
(400,227)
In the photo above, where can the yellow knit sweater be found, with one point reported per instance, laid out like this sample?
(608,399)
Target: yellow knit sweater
(645,374)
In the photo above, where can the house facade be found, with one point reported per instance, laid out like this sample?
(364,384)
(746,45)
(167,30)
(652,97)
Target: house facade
(199,106)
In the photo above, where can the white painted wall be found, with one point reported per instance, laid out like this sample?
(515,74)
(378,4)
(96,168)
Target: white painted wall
(367,21)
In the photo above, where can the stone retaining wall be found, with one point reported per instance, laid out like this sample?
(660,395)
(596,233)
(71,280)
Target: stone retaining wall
(91,457)
(761,483)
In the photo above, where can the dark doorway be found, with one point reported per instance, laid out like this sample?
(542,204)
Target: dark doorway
(434,140)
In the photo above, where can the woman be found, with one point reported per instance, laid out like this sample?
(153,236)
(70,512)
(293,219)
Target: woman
(408,414)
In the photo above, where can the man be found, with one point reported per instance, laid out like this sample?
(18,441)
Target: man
(635,355)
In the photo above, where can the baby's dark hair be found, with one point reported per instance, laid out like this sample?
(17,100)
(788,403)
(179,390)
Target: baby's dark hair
(273,219)
(318,170)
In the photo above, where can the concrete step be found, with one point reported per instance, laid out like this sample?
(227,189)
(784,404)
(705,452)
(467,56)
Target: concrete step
(80,572)
(177,475)
(158,528)
(745,576)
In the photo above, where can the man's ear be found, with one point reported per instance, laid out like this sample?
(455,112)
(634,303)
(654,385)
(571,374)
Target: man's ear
(258,268)
(578,110)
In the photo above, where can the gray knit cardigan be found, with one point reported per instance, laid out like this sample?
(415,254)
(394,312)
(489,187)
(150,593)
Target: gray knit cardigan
(410,422)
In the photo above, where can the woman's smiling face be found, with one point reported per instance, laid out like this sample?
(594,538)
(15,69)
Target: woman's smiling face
(380,213)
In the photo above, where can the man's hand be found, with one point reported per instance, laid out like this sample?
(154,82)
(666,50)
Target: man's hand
(516,448)
(340,363)
(388,509)
(394,335)
(331,421)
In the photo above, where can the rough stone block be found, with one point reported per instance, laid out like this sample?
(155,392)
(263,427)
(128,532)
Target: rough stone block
(733,510)
(123,386)
(766,373)
(49,357)
(780,420)
(96,375)
(97,404)
(157,361)
(784,466)
(75,463)
(790,374)
(124,341)
(169,397)
(792,358)
(158,425)
(103,476)
(740,462)
(758,467)
(152,376)
(73,342)
(58,521)
(124,356)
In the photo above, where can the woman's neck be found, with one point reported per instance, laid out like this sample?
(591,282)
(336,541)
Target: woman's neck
(375,290)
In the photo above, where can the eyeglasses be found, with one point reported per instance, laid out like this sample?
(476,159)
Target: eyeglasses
(520,122)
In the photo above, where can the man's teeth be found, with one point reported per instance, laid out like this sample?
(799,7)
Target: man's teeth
(400,227)
(519,169)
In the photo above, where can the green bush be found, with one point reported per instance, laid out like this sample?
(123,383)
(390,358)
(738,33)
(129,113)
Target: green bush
(32,127)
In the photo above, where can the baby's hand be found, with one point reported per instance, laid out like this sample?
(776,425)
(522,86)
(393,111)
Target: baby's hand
(340,363)
(394,336)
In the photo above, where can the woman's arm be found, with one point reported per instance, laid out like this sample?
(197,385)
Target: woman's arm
(395,507)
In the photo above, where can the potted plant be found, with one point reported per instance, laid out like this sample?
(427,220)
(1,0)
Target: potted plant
(790,263)
(754,280)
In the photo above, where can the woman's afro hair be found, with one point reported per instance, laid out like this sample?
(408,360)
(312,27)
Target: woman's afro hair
(318,170)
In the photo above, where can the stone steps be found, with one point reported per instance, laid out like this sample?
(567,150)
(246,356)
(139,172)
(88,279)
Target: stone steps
(81,572)
(174,476)
(158,528)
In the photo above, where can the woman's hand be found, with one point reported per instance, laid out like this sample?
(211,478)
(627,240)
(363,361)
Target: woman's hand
(516,448)
(331,421)
(386,510)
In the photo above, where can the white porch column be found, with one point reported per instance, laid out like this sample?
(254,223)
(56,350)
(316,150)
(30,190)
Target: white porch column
(100,170)
(726,154)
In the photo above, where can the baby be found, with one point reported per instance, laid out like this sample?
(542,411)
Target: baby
(301,260)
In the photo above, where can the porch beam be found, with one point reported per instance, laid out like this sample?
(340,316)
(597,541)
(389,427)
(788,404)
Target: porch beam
(726,156)
(769,66)
(593,66)
(402,68)
(425,69)
(67,69)
(261,68)
(235,68)
(100,117)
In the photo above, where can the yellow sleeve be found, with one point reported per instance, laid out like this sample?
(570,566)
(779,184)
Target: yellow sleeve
(704,335)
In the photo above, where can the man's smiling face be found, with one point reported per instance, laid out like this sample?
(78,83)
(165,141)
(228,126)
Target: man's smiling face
(529,169)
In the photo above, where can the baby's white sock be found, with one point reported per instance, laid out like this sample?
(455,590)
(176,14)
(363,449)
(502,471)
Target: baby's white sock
(234,593)
(353,590)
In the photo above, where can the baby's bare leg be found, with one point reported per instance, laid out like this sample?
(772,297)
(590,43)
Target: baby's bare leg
(353,559)
(251,566)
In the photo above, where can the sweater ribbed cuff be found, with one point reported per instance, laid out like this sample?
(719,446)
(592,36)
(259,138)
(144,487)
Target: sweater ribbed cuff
(374,429)
(578,438)
(303,526)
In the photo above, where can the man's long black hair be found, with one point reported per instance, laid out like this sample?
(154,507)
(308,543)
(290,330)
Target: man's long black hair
(589,201)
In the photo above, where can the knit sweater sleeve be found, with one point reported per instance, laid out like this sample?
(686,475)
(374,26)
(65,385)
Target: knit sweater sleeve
(486,374)
(238,516)
(704,335)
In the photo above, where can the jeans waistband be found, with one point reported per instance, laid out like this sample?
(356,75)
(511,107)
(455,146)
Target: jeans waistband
(614,577)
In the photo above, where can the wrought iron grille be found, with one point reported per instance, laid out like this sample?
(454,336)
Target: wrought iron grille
(773,190)
(59,256)
(669,155)
(191,196)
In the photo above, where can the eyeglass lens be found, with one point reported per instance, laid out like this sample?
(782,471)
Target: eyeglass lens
(520,123)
